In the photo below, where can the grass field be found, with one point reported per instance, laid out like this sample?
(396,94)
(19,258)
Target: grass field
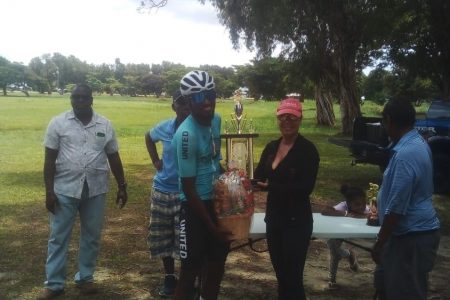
(24,221)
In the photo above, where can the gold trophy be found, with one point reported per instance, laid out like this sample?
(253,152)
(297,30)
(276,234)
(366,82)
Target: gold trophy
(238,135)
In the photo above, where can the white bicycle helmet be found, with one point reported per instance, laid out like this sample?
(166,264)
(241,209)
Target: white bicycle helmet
(196,81)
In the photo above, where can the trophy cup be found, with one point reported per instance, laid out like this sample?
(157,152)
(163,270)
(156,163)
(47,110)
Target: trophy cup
(238,116)
(239,140)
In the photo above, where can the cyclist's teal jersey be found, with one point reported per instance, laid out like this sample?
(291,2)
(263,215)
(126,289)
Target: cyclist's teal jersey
(195,154)
(215,127)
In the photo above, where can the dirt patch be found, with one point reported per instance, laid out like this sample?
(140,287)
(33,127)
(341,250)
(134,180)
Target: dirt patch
(125,272)
(249,275)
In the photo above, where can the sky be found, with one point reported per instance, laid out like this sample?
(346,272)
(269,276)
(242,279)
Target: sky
(99,31)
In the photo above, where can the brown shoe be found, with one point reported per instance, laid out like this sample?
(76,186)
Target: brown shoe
(87,288)
(50,294)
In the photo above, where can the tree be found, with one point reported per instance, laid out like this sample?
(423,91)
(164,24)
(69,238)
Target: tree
(152,84)
(77,70)
(420,42)
(112,86)
(96,85)
(119,70)
(101,78)
(9,74)
(150,4)
(62,71)
(156,69)
(46,73)
(225,79)
(265,79)
(347,31)
(375,85)
(172,80)
(172,73)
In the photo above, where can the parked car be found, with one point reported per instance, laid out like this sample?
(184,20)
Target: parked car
(370,143)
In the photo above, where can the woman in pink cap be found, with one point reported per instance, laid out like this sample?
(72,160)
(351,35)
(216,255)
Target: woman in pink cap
(288,170)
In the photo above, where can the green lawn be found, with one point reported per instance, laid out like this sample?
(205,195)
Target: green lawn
(23,219)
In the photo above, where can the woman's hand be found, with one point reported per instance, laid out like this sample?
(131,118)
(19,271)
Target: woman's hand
(263,185)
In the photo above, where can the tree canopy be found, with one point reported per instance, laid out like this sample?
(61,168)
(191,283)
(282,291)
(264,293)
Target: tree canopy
(419,46)
(313,47)
(329,41)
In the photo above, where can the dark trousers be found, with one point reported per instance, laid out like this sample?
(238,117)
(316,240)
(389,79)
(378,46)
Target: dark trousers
(288,246)
(405,264)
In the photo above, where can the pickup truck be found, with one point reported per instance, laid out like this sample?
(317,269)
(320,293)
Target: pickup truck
(370,143)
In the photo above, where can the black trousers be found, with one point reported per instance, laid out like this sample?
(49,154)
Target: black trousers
(288,246)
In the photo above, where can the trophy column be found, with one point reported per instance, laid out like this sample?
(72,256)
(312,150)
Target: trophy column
(239,144)
(239,151)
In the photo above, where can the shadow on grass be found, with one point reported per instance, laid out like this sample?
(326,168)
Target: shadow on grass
(124,270)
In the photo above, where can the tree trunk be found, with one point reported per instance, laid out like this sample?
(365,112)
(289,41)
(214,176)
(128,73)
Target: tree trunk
(324,106)
(349,102)
(5,93)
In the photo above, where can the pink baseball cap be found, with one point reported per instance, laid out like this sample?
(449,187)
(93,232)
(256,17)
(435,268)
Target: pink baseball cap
(290,106)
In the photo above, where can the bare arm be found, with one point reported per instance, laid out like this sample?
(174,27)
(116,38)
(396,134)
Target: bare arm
(116,167)
(356,215)
(389,223)
(153,152)
(51,201)
(330,211)
(260,181)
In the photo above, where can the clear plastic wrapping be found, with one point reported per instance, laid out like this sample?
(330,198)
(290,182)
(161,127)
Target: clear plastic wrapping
(233,194)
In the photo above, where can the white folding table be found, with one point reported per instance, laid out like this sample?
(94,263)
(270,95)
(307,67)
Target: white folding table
(325,227)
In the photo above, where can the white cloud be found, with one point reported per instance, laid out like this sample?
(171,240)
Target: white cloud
(98,31)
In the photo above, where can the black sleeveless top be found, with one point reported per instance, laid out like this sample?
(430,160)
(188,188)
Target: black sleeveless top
(290,183)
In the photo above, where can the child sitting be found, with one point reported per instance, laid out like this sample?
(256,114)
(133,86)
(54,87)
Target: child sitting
(354,206)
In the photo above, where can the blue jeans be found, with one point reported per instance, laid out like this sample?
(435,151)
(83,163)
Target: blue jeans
(61,223)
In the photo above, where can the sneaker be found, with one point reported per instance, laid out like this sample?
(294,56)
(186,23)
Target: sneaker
(87,288)
(353,261)
(50,294)
(168,288)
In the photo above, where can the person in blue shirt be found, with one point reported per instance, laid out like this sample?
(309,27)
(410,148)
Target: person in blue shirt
(216,123)
(409,236)
(164,200)
(203,245)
